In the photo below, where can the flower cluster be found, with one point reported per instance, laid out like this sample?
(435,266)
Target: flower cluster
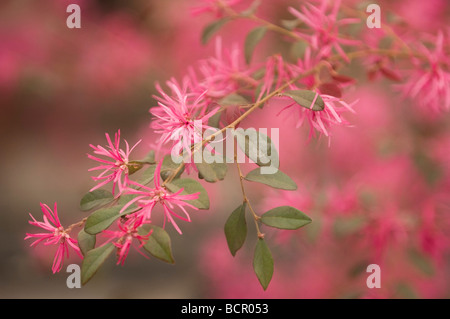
(116,168)
(429,82)
(147,198)
(310,84)
(323,33)
(181,118)
(128,231)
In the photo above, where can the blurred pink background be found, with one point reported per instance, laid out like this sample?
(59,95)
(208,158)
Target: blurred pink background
(378,194)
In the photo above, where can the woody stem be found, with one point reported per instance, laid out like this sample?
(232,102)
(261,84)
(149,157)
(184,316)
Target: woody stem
(256,217)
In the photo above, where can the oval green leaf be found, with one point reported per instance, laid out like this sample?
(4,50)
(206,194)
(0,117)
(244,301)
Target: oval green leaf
(236,229)
(212,172)
(421,261)
(147,175)
(158,244)
(290,24)
(148,159)
(278,180)
(348,226)
(86,241)
(257,146)
(263,263)
(191,186)
(285,217)
(233,100)
(305,98)
(212,28)
(134,167)
(168,167)
(251,9)
(102,219)
(93,261)
(252,39)
(95,199)
(214,121)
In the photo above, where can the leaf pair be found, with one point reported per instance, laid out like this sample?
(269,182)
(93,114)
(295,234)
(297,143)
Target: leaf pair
(283,217)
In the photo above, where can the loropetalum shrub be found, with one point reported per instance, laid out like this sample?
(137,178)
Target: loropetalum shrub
(216,96)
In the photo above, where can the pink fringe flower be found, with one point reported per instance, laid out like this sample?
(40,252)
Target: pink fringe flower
(274,76)
(430,86)
(116,165)
(321,121)
(181,117)
(55,235)
(125,235)
(325,27)
(433,234)
(147,198)
(225,73)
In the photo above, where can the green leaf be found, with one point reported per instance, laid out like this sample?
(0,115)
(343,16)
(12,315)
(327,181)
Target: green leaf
(123,199)
(147,175)
(86,241)
(257,146)
(252,39)
(428,167)
(305,98)
(212,172)
(102,219)
(214,121)
(285,217)
(297,50)
(148,159)
(421,262)
(212,28)
(348,226)
(251,9)
(263,263)
(168,167)
(233,99)
(95,199)
(405,291)
(93,261)
(278,180)
(358,268)
(191,186)
(236,229)
(259,74)
(290,24)
(134,167)
(158,244)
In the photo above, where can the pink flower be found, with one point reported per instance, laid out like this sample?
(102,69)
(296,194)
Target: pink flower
(226,72)
(274,76)
(214,6)
(430,85)
(321,121)
(387,229)
(128,231)
(181,117)
(116,165)
(148,198)
(56,235)
(433,231)
(325,27)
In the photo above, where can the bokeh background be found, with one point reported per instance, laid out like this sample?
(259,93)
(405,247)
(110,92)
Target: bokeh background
(378,194)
